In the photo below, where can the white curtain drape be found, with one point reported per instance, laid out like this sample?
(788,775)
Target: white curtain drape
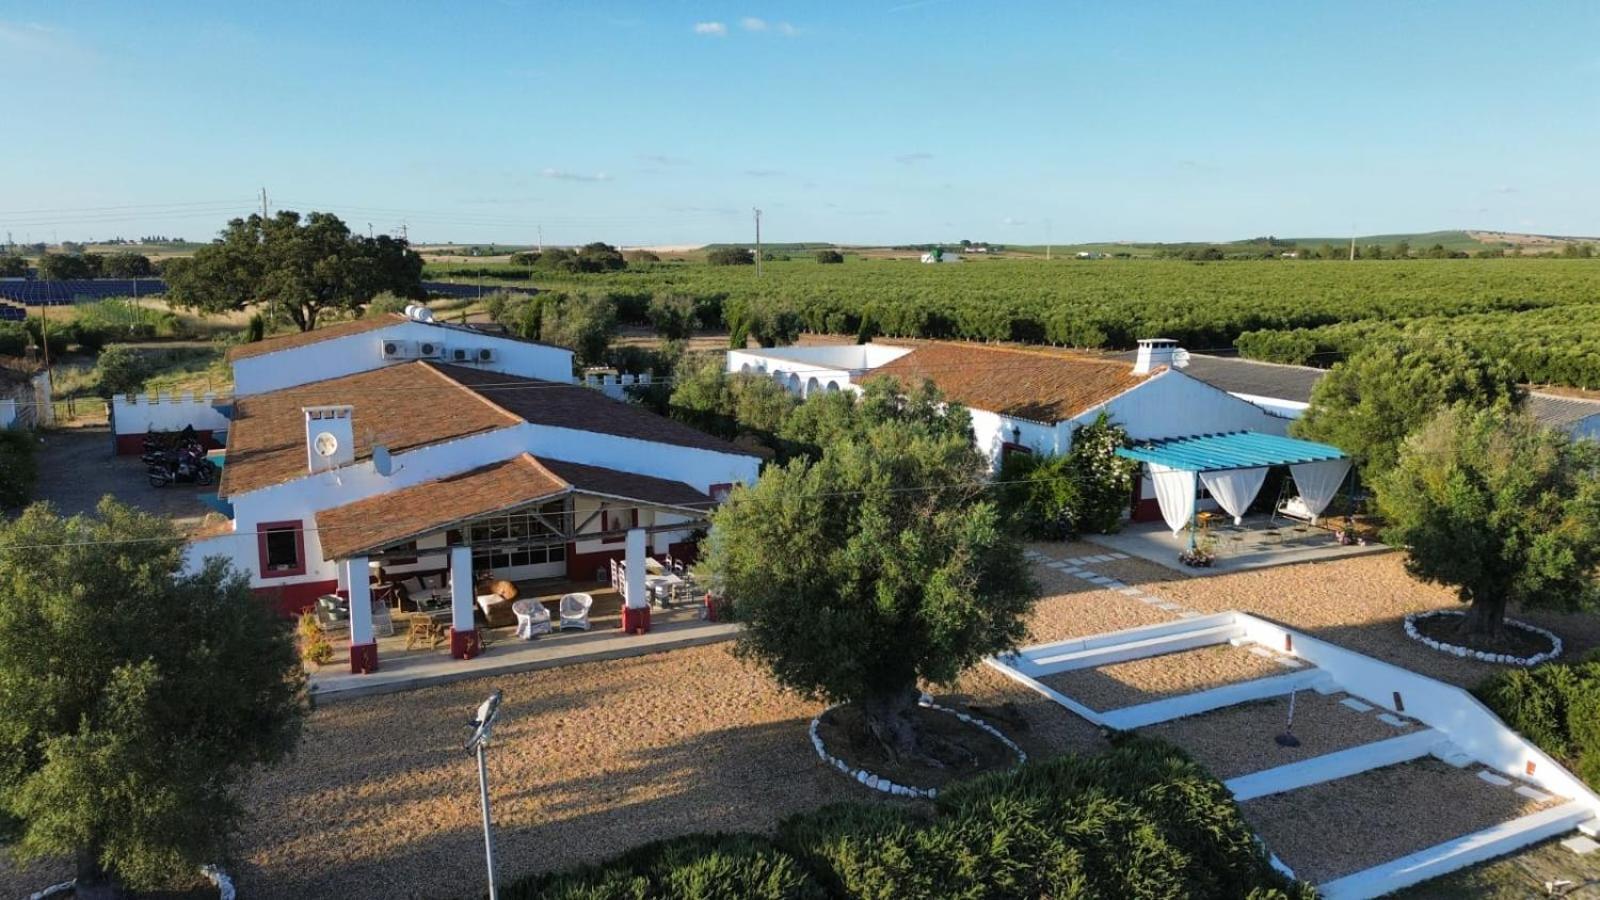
(1318,482)
(1175,494)
(1235,489)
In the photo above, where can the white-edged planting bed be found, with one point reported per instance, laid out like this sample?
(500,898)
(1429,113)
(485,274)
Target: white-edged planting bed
(881,783)
(1481,655)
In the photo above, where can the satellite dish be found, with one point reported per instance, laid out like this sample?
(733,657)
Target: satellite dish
(326,444)
(381,462)
(1180,358)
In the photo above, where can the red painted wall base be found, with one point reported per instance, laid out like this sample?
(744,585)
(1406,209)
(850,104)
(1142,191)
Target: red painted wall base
(133,444)
(291,600)
(364,658)
(465,644)
(635,621)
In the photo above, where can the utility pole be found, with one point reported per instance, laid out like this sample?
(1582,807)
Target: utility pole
(1047,240)
(369,231)
(263,204)
(404,234)
(1352,243)
(758,242)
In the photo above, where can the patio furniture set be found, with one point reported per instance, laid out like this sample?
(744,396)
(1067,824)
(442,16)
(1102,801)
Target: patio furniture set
(666,580)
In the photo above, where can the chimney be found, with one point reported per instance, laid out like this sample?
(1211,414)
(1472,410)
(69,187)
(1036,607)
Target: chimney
(330,437)
(1154,353)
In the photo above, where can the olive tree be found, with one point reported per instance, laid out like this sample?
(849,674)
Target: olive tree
(1367,404)
(1500,508)
(134,698)
(881,565)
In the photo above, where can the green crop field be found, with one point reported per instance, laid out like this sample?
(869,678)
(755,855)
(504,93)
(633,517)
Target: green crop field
(1541,314)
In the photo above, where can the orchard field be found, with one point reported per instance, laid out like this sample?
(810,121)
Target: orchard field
(1541,314)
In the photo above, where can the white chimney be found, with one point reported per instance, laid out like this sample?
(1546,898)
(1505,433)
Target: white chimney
(330,437)
(1155,353)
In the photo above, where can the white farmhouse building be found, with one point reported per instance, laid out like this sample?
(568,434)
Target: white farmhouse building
(370,442)
(1029,400)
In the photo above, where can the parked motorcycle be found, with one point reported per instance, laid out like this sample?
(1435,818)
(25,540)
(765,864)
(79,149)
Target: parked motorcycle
(187,466)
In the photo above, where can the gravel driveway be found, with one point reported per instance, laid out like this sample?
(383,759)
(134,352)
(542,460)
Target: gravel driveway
(77,468)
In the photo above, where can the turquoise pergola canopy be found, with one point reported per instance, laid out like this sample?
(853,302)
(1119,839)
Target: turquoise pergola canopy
(1231,450)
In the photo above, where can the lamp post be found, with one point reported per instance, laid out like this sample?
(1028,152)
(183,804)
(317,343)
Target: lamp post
(483,725)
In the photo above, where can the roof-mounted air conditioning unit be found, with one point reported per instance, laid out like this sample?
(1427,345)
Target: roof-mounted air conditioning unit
(397,349)
(460,355)
(429,350)
(486,354)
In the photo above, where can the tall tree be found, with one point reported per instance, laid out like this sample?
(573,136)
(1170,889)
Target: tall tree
(1499,507)
(1368,403)
(126,265)
(875,568)
(299,268)
(134,700)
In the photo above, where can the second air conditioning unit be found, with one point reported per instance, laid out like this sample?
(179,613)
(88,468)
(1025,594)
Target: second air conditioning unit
(429,349)
(398,349)
(486,354)
(460,354)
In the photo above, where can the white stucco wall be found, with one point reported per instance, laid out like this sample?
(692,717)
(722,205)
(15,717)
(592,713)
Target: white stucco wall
(1171,404)
(164,412)
(991,430)
(301,499)
(337,357)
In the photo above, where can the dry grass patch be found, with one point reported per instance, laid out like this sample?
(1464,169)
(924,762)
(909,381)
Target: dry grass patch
(1158,677)
(1338,827)
(1238,740)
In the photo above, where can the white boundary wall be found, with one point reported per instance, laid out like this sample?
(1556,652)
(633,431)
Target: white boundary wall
(136,414)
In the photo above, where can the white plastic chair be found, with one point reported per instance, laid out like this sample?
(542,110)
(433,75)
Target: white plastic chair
(575,611)
(532,618)
(382,622)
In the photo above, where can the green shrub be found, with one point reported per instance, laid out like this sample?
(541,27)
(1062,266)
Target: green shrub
(1140,820)
(18,468)
(387,302)
(122,370)
(1556,706)
(1083,490)
(14,338)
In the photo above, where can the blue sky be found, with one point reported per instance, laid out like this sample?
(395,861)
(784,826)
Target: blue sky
(665,123)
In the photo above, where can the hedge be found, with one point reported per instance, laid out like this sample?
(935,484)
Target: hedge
(1557,706)
(18,468)
(1141,820)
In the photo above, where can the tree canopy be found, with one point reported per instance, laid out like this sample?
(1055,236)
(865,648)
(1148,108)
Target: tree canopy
(730,256)
(134,700)
(12,265)
(300,268)
(1500,508)
(1368,403)
(876,567)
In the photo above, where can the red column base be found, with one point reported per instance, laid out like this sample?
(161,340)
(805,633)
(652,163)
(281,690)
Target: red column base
(364,658)
(465,644)
(635,621)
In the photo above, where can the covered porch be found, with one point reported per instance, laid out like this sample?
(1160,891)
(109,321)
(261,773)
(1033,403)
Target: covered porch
(1227,472)
(527,551)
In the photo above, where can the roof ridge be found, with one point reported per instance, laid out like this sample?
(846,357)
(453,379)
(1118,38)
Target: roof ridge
(1064,354)
(542,469)
(436,369)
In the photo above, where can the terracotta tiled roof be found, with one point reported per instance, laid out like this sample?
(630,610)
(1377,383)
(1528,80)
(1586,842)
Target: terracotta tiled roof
(581,408)
(315,336)
(1040,385)
(403,515)
(404,407)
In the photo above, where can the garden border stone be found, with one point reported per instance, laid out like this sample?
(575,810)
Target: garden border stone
(1481,655)
(879,783)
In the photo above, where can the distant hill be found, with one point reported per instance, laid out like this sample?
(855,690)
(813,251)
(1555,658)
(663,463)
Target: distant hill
(1461,241)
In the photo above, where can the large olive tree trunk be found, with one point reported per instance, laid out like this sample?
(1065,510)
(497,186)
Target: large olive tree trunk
(94,882)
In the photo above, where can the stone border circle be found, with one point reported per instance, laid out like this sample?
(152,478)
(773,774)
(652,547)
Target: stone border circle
(1482,655)
(879,783)
(218,878)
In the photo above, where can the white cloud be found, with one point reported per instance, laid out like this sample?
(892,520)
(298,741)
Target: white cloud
(563,175)
(1009,220)
(712,29)
(787,30)
(751,23)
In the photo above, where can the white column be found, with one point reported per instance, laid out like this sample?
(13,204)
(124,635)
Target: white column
(461,589)
(637,597)
(360,590)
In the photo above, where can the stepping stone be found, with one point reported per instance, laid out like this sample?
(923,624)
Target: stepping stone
(1259,650)
(1119,556)
(1392,719)
(1074,560)
(1188,614)
(1583,846)
(1288,662)
(1356,705)
(1130,591)
(1492,778)
(1533,793)
(1153,601)
(1169,607)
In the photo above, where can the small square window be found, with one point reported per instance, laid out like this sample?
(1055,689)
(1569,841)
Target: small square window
(282,549)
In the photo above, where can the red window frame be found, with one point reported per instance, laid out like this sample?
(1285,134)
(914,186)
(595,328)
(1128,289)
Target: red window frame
(720,492)
(299,548)
(1009,448)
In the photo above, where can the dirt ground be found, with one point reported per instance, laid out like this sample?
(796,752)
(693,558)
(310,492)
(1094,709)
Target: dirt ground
(77,468)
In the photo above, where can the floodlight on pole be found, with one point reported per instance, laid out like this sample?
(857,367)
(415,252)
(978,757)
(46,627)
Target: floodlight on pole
(482,725)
